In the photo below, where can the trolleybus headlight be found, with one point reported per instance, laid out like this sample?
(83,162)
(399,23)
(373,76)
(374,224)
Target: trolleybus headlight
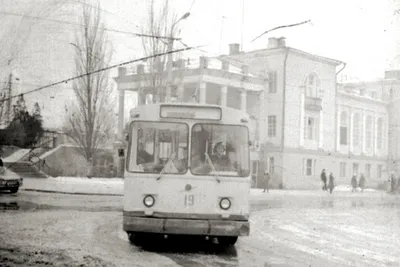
(225,203)
(149,201)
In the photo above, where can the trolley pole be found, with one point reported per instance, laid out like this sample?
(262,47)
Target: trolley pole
(169,68)
(169,59)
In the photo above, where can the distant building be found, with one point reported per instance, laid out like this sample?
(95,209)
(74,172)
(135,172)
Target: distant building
(304,121)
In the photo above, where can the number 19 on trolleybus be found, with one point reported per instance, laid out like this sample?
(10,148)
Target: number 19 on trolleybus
(187,172)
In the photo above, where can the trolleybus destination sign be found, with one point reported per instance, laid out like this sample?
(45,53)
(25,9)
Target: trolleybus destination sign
(190,112)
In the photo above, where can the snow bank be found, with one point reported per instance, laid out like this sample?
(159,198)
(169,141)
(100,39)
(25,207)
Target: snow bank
(347,188)
(17,155)
(76,185)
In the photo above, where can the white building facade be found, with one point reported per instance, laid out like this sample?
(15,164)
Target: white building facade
(304,121)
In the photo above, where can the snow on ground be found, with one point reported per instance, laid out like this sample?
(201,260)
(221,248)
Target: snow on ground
(115,186)
(77,185)
(17,155)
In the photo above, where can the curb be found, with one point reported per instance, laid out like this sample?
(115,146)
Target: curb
(71,193)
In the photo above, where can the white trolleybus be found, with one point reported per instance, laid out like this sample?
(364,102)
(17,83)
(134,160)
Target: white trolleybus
(187,172)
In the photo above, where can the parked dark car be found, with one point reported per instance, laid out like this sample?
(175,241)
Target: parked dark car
(9,180)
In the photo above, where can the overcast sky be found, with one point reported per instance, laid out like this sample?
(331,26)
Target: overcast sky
(362,33)
(359,32)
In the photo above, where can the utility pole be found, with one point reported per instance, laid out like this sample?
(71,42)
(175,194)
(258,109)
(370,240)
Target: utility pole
(8,116)
(169,62)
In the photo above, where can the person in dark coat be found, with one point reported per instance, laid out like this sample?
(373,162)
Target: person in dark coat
(392,183)
(354,183)
(266,180)
(331,183)
(361,182)
(323,179)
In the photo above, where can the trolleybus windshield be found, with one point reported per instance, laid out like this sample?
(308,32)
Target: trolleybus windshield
(158,146)
(220,150)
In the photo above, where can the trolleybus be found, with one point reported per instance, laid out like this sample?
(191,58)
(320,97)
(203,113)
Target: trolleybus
(187,172)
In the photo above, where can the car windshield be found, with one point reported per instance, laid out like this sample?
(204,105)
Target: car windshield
(220,150)
(154,144)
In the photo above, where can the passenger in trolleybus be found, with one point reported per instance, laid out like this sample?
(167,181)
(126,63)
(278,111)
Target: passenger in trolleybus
(159,148)
(182,162)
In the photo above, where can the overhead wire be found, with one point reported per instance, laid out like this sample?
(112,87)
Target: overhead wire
(77,24)
(97,71)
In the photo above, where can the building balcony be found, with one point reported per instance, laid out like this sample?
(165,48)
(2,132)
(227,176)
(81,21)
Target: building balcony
(313,103)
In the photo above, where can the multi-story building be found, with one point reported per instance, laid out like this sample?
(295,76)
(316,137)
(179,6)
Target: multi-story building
(304,121)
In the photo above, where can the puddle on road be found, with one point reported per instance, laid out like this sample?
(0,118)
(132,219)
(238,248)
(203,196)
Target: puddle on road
(17,205)
(30,206)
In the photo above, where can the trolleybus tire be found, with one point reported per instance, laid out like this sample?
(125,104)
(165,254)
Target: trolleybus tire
(135,238)
(227,241)
(14,190)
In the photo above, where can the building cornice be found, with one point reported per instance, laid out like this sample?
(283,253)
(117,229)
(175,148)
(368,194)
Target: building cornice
(360,98)
(272,51)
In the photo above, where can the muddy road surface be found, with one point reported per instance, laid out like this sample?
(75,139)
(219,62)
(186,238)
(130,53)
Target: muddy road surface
(302,228)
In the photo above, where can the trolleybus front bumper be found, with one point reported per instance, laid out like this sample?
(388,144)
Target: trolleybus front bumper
(133,222)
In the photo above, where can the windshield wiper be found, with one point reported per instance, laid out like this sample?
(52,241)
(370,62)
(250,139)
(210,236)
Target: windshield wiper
(212,167)
(166,164)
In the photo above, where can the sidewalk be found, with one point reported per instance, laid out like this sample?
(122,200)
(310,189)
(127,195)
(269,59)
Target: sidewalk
(115,187)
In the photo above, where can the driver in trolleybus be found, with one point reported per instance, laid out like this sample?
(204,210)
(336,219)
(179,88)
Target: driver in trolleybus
(219,159)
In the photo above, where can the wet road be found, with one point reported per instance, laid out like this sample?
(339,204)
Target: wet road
(288,228)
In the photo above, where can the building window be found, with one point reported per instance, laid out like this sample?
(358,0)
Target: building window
(254,169)
(309,167)
(342,169)
(355,168)
(312,86)
(310,128)
(343,128)
(356,129)
(374,94)
(368,132)
(379,171)
(379,131)
(368,170)
(271,165)
(272,126)
(272,82)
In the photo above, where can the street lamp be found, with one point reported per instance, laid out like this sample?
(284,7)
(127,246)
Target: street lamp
(169,66)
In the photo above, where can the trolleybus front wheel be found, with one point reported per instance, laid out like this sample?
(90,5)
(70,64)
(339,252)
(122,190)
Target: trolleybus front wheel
(135,238)
(227,241)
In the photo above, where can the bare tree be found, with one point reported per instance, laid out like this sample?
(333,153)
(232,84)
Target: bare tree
(160,22)
(90,120)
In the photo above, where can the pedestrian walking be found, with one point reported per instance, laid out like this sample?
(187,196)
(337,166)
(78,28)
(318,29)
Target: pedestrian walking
(361,182)
(323,179)
(331,183)
(354,183)
(1,165)
(392,183)
(266,178)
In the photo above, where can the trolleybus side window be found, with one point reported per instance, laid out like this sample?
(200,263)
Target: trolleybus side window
(220,149)
(157,146)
